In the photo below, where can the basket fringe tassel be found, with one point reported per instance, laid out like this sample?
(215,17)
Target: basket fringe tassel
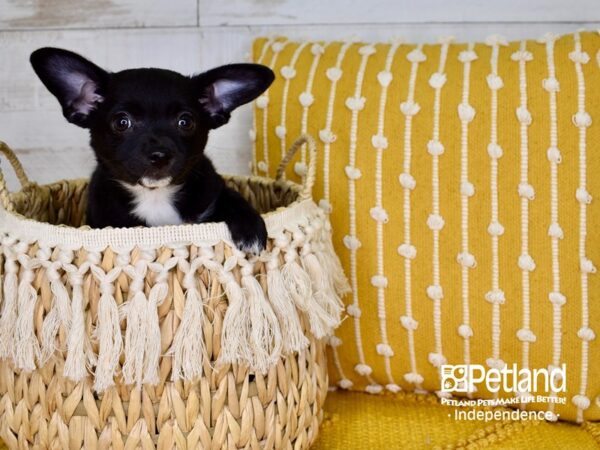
(188,347)
(281,299)
(79,357)
(332,265)
(9,309)
(152,349)
(60,314)
(26,345)
(327,306)
(265,334)
(235,338)
(108,330)
(135,338)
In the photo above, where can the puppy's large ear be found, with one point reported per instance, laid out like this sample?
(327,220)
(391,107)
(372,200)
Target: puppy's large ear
(223,89)
(76,82)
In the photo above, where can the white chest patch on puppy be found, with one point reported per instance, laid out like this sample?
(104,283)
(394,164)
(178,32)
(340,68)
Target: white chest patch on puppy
(155,204)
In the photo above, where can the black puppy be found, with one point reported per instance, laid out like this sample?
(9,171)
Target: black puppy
(148,129)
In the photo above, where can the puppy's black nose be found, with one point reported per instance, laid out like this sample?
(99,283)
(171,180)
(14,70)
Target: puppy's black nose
(159,159)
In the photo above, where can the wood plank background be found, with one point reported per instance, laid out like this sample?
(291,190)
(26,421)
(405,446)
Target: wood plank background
(193,35)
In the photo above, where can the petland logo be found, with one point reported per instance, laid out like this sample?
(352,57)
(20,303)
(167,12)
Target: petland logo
(465,378)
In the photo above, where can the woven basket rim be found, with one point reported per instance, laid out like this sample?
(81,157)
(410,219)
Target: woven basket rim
(210,233)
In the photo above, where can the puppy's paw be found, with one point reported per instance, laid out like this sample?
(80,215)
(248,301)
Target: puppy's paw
(249,234)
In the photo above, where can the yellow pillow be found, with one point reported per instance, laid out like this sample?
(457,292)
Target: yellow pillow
(459,178)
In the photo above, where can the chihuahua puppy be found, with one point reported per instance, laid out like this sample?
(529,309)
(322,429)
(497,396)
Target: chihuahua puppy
(148,129)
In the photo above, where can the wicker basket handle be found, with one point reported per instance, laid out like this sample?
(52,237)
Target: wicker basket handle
(18,168)
(309,179)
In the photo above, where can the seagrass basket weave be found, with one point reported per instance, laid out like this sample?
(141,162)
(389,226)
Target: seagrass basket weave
(164,337)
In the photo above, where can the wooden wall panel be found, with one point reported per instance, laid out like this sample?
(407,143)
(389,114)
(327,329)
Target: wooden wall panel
(293,12)
(61,14)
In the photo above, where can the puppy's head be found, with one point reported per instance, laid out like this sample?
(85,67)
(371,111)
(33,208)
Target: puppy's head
(147,126)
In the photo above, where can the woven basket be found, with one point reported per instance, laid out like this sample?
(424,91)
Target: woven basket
(164,337)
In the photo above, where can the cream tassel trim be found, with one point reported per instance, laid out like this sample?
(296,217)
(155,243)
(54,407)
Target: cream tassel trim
(265,334)
(299,287)
(141,361)
(9,309)
(328,257)
(235,337)
(158,294)
(135,338)
(327,305)
(294,339)
(76,361)
(332,265)
(60,313)
(297,280)
(188,347)
(26,346)
(108,331)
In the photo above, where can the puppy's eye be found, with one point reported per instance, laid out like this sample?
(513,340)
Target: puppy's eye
(121,122)
(185,122)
